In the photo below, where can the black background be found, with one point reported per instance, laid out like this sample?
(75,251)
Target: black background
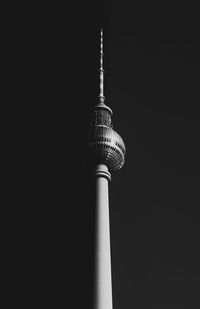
(151,59)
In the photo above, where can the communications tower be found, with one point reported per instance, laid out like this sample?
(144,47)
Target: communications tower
(108,151)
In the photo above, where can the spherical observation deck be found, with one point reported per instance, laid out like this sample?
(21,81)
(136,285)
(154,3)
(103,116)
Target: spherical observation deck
(107,147)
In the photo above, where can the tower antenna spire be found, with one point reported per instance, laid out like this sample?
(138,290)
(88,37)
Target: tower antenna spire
(101,94)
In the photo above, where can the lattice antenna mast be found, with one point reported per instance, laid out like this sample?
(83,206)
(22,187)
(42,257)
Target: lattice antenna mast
(101,94)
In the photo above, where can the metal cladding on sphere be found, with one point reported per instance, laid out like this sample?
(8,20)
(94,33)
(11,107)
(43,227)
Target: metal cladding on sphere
(106,144)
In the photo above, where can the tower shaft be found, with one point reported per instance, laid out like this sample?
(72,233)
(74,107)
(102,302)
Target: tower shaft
(103,280)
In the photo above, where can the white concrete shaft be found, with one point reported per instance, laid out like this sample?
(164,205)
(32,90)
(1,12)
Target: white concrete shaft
(103,281)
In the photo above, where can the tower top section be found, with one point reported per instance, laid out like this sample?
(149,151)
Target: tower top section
(107,146)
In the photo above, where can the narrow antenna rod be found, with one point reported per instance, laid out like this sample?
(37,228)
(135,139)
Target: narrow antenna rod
(101,95)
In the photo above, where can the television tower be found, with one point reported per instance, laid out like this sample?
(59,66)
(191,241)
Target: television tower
(108,151)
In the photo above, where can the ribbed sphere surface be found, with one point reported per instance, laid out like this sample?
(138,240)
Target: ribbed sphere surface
(107,147)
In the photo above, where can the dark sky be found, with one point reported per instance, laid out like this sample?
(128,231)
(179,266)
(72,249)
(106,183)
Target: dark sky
(151,59)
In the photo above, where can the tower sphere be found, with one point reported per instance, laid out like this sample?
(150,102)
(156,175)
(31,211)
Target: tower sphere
(106,144)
